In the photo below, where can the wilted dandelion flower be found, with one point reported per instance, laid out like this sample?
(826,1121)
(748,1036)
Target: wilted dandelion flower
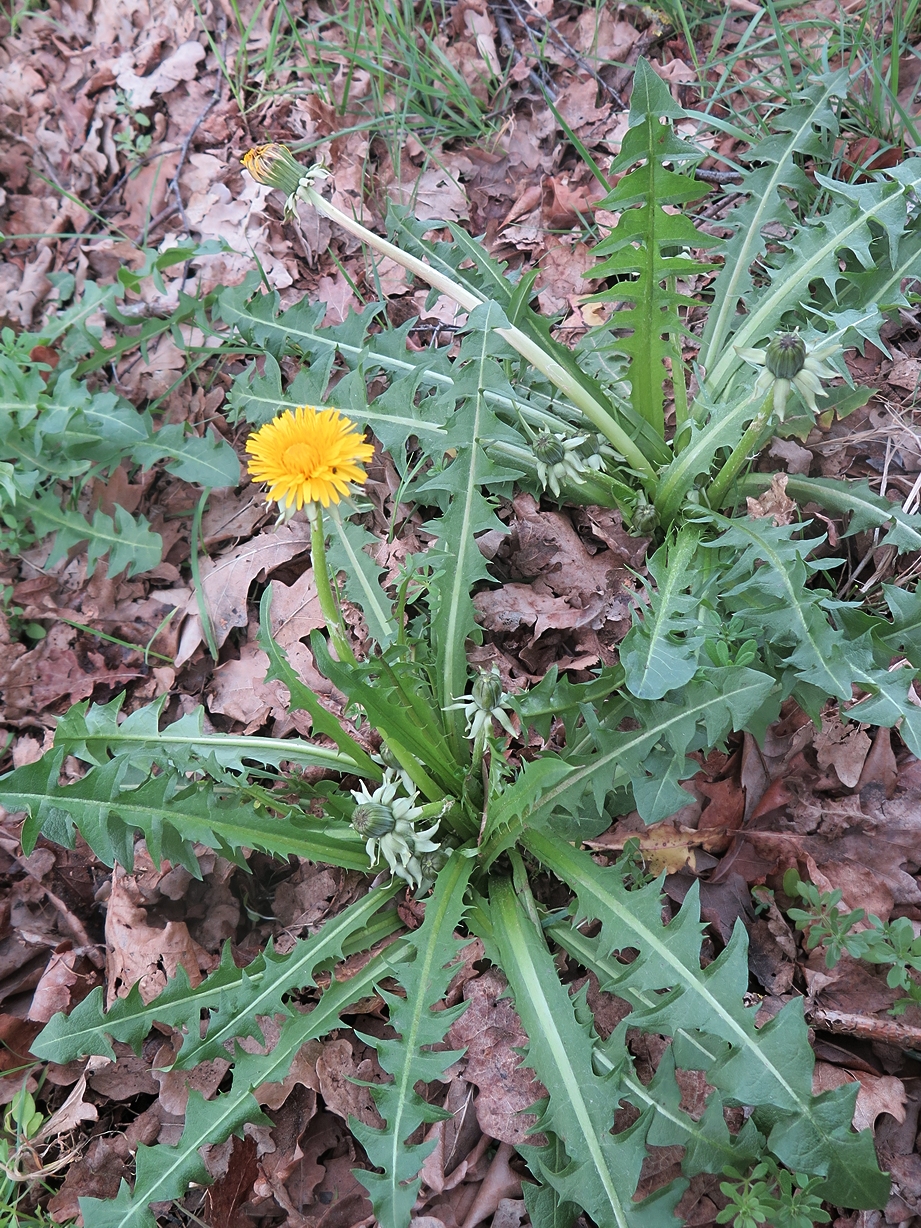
(306,456)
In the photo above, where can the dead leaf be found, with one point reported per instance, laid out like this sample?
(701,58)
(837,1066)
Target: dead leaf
(435,196)
(308,897)
(844,746)
(175,1085)
(95,1174)
(137,953)
(664,846)
(676,73)
(906,374)
(15,1037)
(239,690)
(226,581)
(603,37)
(180,66)
(799,459)
(500,1183)
(53,993)
(295,610)
(513,605)
(560,278)
(33,287)
(74,1110)
(774,502)
(529,201)
(239,223)
(491,1031)
(878,1093)
(545,545)
(128,1076)
(336,1068)
(231,513)
(227,1195)
(607,525)
(726,806)
(303,1072)
(577,105)
(151,377)
(473,16)
(339,296)
(880,767)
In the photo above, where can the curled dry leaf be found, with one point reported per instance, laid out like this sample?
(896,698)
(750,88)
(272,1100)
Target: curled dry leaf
(774,502)
(501,1183)
(74,1110)
(226,581)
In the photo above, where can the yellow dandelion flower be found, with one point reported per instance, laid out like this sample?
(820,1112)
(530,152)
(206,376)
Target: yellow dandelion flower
(306,456)
(274,166)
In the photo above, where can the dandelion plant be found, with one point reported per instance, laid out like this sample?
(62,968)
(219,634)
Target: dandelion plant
(470,797)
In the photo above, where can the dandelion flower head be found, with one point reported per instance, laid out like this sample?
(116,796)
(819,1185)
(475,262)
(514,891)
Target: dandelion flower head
(308,455)
(274,166)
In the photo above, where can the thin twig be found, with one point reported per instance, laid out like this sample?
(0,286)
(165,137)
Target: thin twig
(507,48)
(163,216)
(715,176)
(566,46)
(184,153)
(865,1027)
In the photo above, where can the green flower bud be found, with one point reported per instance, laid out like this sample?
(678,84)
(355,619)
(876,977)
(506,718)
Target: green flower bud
(785,357)
(388,758)
(431,863)
(487,691)
(548,449)
(645,519)
(373,819)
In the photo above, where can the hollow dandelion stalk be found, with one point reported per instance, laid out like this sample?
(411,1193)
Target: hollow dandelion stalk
(275,166)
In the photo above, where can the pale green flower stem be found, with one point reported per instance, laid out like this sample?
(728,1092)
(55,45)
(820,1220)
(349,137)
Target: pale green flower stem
(748,444)
(479,749)
(528,349)
(328,603)
(415,771)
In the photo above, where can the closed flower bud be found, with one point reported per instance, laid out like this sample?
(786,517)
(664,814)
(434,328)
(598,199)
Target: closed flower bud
(548,449)
(388,758)
(373,820)
(432,863)
(487,691)
(274,166)
(645,519)
(785,357)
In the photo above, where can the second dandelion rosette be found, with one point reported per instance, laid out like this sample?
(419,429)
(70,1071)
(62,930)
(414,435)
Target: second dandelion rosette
(308,456)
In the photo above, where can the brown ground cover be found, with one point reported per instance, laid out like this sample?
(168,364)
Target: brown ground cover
(122,126)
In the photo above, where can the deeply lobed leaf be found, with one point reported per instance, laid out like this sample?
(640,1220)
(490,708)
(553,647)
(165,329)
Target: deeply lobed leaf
(767,1068)
(410,1058)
